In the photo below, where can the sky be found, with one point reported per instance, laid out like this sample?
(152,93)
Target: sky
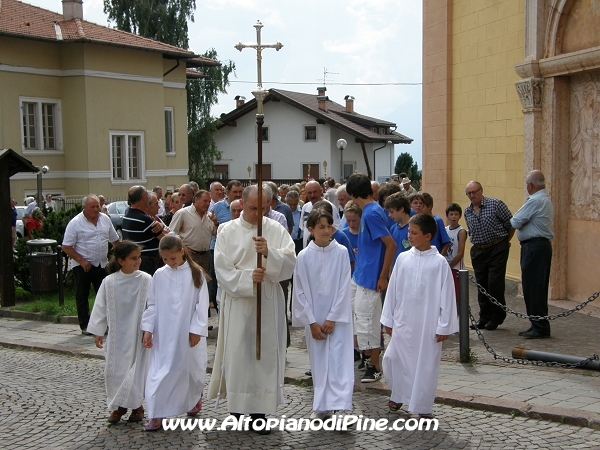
(367,47)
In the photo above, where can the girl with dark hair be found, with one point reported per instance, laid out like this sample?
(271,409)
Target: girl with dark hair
(174,322)
(322,305)
(119,305)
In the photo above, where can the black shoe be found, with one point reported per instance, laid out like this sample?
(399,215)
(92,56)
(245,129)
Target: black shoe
(308,372)
(371,375)
(491,326)
(85,332)
(523,333)
(364,363)
(481,324)
(255,417)
(535,335)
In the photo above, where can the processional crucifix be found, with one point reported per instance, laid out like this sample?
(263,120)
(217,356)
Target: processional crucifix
(260,94)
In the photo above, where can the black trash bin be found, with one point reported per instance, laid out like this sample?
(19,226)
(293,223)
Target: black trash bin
(43,265)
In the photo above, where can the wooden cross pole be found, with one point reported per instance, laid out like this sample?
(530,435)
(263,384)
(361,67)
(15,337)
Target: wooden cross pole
(260,94)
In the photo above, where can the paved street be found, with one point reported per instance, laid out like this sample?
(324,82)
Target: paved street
(57,401)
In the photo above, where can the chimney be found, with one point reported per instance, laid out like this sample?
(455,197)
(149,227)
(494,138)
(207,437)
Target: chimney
(349,103)
(239,100)
(322,100)
(72,9)
(321,91)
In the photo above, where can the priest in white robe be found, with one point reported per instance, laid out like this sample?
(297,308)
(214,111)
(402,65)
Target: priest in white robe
(119,305)
(177,371)
(322,292)
(419,304)
(251,386)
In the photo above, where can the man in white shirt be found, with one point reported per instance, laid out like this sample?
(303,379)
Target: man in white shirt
(161,205)
(217,193)
(86,244)
(313,192)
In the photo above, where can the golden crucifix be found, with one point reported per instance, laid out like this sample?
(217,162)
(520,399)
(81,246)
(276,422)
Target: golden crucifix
(260,94)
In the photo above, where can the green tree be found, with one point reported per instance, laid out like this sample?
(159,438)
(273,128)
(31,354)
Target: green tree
(161,20)
(166,21)
(202,94)
(405,164)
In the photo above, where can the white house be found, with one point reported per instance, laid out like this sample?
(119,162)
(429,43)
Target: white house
(300,134)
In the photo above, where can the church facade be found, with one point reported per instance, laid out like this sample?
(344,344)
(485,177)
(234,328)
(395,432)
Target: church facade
(509,87)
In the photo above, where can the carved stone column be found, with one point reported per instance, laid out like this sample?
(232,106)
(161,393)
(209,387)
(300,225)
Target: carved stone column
(530,94)
(555,158)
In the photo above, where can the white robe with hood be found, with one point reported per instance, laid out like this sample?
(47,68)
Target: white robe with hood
(420,303)
(177,372)
(119,305)
(322,292)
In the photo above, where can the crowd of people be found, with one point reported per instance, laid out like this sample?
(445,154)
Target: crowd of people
(355,261)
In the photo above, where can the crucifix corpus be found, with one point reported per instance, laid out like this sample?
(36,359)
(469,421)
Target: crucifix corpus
(260,94)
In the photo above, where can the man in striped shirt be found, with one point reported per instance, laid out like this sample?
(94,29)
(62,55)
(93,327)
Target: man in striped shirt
(142,229)
(490,232)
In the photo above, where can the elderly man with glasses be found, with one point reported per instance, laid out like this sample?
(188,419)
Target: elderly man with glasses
(490,231)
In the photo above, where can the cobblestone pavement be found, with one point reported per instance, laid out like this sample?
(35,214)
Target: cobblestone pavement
(58,402)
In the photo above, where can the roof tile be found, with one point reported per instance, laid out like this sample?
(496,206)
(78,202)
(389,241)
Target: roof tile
(28,21)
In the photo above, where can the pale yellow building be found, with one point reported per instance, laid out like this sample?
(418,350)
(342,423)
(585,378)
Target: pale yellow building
(510,86)
(102,108)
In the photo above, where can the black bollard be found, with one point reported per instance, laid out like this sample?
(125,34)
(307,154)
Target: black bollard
(61,284)
(463,319)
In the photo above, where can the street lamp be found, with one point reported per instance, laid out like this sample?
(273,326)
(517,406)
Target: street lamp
(341,144)
(41,170)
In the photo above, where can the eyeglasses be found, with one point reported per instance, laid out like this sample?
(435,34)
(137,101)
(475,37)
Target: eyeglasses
(469,193)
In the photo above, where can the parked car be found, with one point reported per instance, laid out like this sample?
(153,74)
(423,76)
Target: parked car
(20,227)
(116,210)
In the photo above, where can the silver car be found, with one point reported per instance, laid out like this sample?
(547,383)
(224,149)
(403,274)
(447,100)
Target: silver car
(20,228)
(116,211)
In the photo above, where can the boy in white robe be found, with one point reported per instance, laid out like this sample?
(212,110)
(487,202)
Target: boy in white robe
(322,303)
(174,324)
(419,313)
(119,305)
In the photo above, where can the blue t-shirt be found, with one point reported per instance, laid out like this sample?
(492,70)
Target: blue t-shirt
(390,222)
(441,238)
(400,235)
(353,239)
(371,249)
(342,239)
(223,213)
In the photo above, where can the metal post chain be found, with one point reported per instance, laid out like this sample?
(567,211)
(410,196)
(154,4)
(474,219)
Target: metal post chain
(521,315)
(525,362)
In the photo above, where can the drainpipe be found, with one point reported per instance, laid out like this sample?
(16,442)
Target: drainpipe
(375,159)
(171,69)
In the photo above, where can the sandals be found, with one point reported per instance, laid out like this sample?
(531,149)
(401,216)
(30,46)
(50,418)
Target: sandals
(116,415)
(137,415)
(394,406)
(196,409)
(153,425)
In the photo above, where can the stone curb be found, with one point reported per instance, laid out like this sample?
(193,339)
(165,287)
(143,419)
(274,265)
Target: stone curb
(71,320)
(27,315)
(57,349)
